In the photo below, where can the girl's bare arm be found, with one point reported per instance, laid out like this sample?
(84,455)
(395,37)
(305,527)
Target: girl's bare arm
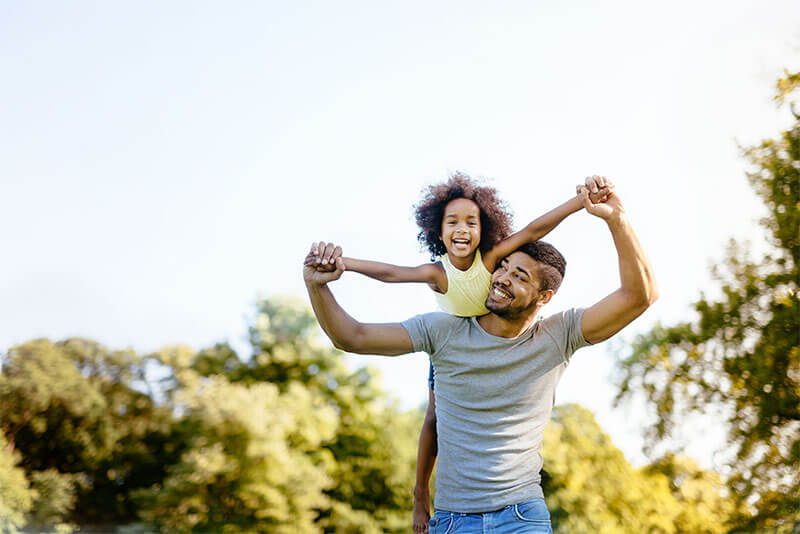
(426,458)
(541,226)
(429,273)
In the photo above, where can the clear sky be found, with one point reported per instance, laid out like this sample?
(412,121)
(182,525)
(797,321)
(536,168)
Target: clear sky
(164,164)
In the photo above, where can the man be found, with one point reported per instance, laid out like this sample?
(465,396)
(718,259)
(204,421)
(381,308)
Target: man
(495,374)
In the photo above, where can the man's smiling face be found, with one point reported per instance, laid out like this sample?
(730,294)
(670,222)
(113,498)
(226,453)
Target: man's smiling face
(515,286)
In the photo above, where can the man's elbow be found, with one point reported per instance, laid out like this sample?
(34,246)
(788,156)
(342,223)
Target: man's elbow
(652,295)
(651,292)
(647,297)
(341,345)
(351,344)
(346,346)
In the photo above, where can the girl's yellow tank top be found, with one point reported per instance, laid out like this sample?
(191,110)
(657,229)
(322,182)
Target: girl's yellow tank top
(466,290)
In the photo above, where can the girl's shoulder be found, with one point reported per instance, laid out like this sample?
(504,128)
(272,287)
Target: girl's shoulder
(437,276)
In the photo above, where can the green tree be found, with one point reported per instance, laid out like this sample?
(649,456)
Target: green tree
(16,498)
(85,435)
(591,487)
(703,506)
(289,440)
(741,355)
(253,463)
(374,447)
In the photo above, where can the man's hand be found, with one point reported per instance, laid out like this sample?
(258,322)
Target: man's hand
(323,264)
(608,209)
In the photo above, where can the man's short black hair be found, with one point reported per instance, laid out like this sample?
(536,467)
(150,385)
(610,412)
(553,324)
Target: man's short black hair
(553,264)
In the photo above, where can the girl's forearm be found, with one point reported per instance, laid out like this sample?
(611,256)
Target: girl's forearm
(373,269)
(543,225)
(386,272)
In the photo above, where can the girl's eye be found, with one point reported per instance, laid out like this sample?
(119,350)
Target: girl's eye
(472,223)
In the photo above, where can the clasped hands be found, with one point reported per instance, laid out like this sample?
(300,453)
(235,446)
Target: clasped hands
(323,263)
(599,198)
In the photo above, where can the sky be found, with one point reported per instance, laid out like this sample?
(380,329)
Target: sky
(165,165)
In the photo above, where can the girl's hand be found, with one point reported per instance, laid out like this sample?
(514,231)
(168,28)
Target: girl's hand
(422,514)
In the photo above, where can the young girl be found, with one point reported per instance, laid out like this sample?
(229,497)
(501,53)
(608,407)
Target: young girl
(466,229)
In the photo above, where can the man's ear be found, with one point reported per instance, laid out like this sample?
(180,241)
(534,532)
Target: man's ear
(545,296)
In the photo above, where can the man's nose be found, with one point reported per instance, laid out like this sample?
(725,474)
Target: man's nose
(503,279)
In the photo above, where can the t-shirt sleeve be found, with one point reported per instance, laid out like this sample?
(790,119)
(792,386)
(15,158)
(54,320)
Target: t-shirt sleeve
(565,329)
(428,331)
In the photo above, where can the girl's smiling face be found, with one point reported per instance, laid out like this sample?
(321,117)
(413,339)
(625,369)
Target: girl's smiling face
(461,228)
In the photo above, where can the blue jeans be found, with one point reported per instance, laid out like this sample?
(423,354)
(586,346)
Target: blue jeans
(523,518)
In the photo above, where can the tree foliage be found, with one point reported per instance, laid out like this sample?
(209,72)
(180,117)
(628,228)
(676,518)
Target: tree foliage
(84,434)
(15,494)
(252,463)
(701,495)
(374,446)
(741,355)
(289,440)
(591,487)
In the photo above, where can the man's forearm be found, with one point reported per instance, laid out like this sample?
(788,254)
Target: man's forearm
(635,271)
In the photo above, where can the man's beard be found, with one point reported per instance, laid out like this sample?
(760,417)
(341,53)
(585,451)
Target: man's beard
(506,312)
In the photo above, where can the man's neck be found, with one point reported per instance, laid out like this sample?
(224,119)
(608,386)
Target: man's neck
(507,327)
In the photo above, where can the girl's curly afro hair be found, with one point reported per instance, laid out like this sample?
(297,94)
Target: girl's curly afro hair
(495,219)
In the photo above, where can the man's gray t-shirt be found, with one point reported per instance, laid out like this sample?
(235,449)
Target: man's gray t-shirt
(494,396)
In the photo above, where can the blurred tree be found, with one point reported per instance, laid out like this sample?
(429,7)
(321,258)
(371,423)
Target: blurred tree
(374,447)
(591,487)
(253,463)
(16,498)
(289,440)
(741,356)
(85,434)
(703,508)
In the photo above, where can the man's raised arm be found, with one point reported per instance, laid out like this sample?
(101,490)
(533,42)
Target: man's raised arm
(324,264)
(637,289)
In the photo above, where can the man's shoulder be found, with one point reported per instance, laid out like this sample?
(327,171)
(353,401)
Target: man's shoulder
(438,319)
(564,328)
(568,315)
(430,332)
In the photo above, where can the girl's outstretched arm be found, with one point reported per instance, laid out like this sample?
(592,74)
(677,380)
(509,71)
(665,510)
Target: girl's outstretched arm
(432,274)
(426,457)
(543,225)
